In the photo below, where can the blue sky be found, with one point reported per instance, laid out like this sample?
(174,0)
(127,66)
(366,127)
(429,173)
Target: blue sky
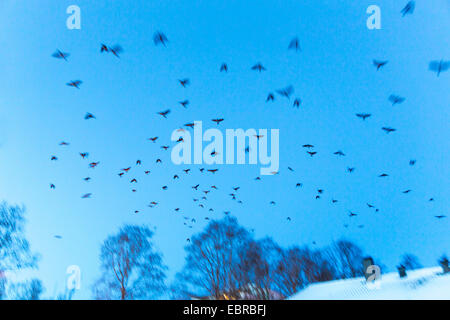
(333,75)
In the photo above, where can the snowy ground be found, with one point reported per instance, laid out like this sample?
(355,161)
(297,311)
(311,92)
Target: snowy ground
(420,284)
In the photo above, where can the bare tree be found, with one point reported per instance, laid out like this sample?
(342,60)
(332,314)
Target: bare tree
(213,260)
(131,268)
(15,252)
(347,259)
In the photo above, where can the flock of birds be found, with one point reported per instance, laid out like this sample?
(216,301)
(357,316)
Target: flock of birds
(202,192)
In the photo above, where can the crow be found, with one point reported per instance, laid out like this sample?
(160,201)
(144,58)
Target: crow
(294,45)
(409,8)
(160,38)
(224,67)
(75,83)
(258,67)
(379,64)
(218,120)
(184,82)
(388,129)
(164,113)
(363,115)
(184,103)
(439,66)
(286,92)
(396,99)
(60,55)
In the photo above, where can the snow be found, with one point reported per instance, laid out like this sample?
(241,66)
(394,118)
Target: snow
(421,284)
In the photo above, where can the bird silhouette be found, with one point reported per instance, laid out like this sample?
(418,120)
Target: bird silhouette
(294,44)
(217,120)
(363,116)
(224,67)
(408,9)
(379,64)
(396,99)
(184,103)
(75,83)
(388,129)
(89,116)
(184,82)
(60,55)
(259,67)
(164,113)
(160,38)
(439,66)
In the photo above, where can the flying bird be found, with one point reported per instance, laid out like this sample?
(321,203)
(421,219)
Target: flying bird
(87,195)
(258,67)
(286,92)
(311,153)
(439,66)
(297,102)
(294,44)
(75,83)
(396,99)
(60,55)
(89,116)
(270,97)
(184,103)
(363,116)
(160,38)
(388,129)
(379,64)
(164,113)
(440,216)
(184,82)
(218,120)
(224,67)
(339,153)
(116,50)
(409,8)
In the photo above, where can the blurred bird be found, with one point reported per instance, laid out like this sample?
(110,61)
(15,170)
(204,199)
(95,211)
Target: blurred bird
(224,67)
(409,8)
(294,44)
(396,99)
(184,82)
(258,67)
(379,64)
(388,129)
(439,66)
(160,38)
(75,83)
(60,55)
(363,115)
(164,113)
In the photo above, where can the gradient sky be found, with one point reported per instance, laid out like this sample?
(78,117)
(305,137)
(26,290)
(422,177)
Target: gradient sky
(333,75)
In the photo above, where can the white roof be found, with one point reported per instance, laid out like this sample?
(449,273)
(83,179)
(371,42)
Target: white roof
(421,284)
